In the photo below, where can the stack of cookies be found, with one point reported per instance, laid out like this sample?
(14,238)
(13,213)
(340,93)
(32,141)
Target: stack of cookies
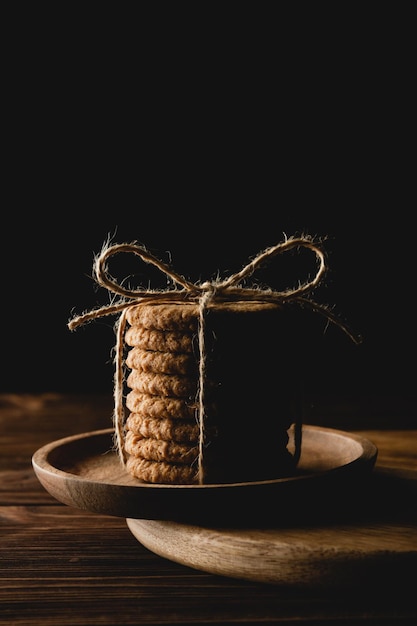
(249,393)
(162,431)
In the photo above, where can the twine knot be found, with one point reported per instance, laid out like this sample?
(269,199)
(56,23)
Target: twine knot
(228,290)
(208,286)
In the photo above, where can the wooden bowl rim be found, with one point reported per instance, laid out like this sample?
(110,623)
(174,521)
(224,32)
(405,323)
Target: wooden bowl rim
(42,462)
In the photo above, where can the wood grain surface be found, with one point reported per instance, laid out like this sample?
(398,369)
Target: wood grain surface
(62,565)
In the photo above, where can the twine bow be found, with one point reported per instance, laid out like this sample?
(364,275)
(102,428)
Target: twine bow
(205,294)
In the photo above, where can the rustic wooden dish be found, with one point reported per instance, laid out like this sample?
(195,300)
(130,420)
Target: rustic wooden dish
(330,555)
(84,471)
(335,524)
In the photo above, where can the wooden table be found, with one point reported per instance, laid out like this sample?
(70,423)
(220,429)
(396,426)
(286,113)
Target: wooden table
(62,565)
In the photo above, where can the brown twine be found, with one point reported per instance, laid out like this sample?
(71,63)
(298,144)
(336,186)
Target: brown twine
(205,294)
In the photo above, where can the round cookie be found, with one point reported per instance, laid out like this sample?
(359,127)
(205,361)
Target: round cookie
(161,341)
(163,428)
(172,317)
(161,362)
(162,472)
(160,407)
(162,384)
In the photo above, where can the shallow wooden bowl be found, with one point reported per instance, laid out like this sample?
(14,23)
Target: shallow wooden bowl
(84,471)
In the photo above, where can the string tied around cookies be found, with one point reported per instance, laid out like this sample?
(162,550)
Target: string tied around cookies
(205,295)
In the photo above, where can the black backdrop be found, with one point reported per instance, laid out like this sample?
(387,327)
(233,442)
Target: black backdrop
(206,155)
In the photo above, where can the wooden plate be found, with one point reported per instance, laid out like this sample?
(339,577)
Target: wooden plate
(83,471)
(377,554)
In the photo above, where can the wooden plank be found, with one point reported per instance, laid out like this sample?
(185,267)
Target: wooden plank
(66,567)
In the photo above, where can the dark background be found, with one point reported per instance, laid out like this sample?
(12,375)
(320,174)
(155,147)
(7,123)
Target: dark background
(207,151)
